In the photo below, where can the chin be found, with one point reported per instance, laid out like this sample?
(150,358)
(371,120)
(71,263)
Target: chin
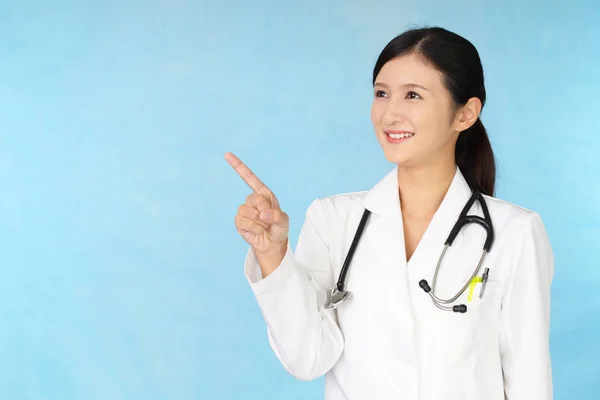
(397,157)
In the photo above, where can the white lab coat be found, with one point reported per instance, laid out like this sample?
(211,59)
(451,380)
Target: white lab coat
(389,341)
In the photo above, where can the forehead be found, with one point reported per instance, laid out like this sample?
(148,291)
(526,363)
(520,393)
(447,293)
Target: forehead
(409,69)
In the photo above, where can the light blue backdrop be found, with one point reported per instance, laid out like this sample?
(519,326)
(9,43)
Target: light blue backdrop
(120,268)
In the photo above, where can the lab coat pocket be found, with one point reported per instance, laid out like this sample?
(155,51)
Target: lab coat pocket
(460,343)
(457,334)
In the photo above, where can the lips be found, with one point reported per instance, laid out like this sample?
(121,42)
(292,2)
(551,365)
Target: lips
(398,136)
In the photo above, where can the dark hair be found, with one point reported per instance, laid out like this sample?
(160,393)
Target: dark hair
(458,60)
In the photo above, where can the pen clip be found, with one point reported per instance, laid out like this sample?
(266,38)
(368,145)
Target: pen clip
(484,280)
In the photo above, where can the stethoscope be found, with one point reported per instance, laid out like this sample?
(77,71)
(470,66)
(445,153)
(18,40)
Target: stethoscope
(338,295)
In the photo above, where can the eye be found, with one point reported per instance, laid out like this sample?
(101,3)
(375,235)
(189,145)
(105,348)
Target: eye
(413,95)
(380,93)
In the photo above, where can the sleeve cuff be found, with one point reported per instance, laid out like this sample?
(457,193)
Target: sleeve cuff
(275,280)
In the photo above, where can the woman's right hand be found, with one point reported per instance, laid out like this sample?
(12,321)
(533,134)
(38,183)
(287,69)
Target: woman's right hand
(260,220)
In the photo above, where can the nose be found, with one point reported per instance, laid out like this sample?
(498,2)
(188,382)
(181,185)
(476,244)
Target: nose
(394,112)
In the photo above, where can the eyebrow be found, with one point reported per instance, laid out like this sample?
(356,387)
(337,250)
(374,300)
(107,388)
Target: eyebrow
(406,85)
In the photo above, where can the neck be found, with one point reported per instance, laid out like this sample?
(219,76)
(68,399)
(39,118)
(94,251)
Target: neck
(423,188)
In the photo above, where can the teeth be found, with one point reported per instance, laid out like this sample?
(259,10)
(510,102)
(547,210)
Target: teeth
(400,135)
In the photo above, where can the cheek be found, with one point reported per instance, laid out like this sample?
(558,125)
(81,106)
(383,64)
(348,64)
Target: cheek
(376,114)
(432,123)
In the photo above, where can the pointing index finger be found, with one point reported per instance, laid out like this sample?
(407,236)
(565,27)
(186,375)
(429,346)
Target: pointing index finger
(245,173)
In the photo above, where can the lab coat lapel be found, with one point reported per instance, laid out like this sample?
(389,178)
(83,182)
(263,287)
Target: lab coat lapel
(424,259)
(385,231)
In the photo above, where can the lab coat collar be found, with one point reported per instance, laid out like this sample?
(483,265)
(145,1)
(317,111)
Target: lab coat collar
(387,230)
(384,200)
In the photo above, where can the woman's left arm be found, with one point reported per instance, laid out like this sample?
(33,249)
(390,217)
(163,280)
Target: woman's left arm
(525,328)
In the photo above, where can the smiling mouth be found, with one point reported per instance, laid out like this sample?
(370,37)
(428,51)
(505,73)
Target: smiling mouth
(403,135)
(398,136)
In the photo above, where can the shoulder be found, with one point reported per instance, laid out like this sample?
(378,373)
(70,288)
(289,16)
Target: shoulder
(337,205)
(519,228)
(510,215)
(337,215)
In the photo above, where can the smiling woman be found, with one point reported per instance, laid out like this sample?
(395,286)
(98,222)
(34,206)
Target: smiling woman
(373,344)
(433,79)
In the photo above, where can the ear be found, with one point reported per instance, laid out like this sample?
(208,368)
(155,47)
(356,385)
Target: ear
(468,114)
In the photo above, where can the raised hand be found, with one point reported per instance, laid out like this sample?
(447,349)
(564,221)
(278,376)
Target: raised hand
(260,220)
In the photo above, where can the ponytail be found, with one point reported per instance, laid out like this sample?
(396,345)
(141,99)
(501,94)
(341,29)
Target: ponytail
(475,158)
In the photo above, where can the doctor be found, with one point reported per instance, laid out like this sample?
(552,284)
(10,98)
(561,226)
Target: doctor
(389,339)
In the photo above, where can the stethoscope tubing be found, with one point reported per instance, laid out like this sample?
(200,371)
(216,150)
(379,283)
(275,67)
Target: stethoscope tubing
(462,220)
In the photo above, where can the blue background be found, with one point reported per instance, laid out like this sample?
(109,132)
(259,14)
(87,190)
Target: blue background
(120,267)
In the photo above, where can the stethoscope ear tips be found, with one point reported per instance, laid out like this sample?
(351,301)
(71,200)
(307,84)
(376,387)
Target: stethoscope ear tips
(461,308)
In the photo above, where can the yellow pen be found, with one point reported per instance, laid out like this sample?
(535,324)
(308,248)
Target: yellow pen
(472,287)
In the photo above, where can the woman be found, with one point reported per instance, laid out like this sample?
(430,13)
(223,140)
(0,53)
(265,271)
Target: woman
(389,339)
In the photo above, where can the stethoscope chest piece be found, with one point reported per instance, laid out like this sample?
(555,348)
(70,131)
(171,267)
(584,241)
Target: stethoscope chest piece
(336,297)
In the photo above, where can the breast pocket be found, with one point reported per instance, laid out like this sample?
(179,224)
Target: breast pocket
(456,335)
